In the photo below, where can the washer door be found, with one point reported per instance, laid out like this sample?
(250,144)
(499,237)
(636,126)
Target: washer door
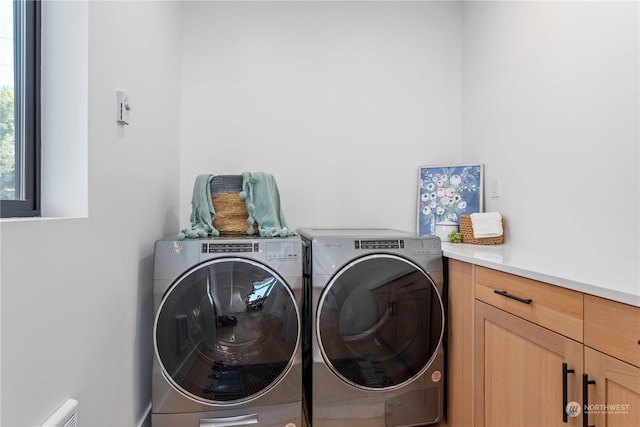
(380,321)
(226,331)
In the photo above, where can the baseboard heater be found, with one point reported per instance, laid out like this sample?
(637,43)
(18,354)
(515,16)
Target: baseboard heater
(65,416)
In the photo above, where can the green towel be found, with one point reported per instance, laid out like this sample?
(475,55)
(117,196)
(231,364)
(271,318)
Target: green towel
(261,196)
(202,212)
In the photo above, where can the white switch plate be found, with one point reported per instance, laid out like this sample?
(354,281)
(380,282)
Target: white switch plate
(122,107)
(494,187)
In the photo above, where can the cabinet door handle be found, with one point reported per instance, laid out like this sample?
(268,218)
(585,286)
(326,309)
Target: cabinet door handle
(508,295)
(565,400)
(585,398)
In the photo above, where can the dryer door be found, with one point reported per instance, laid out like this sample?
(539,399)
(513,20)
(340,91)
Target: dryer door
(226,331)
(380,322)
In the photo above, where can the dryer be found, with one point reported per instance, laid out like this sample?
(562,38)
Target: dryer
(227,332)
(375,320)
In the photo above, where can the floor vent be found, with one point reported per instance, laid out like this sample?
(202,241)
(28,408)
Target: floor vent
(65,416)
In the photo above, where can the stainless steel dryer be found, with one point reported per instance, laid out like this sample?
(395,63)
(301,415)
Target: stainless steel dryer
(227,332)
(375,321)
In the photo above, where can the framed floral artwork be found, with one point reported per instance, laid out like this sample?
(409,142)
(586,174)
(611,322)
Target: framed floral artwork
(446,192)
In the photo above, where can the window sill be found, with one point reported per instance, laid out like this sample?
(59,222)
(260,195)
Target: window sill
(40,219)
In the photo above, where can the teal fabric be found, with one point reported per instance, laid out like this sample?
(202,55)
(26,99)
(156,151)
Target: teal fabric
(261,196)
(202,212)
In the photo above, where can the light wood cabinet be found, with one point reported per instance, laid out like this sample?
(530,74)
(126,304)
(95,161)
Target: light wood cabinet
(612,362)
(614,399)
(553,307)
(613,328)
(459,411)
(511,340)
(519,371)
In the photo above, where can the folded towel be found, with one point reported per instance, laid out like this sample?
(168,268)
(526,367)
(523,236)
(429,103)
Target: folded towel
(488,224)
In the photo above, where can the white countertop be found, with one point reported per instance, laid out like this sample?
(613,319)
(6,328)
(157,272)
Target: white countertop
(612,278)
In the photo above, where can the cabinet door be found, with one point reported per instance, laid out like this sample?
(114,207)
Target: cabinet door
(614,399)
(519,372)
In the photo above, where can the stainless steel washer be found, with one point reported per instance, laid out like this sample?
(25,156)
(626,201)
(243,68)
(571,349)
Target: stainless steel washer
(227,332)
(375,323)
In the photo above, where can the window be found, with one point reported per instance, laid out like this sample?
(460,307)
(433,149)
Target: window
(20,108)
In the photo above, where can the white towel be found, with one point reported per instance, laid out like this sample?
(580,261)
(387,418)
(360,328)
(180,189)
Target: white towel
(488,224)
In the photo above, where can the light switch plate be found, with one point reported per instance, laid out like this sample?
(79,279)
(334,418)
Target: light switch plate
(122,107)
(494,188)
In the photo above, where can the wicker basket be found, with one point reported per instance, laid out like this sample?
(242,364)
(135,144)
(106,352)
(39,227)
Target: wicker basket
(466,228)
(231,214)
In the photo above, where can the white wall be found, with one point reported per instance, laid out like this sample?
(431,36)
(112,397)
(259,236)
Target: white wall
(340,101)
(551,105)
(343,101)
(76,293)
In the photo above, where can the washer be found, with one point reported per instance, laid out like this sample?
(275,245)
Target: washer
(375,323)
(227,332)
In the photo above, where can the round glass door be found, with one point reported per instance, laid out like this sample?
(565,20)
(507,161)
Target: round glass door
(380,321)
(226,331)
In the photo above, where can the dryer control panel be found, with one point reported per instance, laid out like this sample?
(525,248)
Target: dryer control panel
(286,251)
(425,246)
